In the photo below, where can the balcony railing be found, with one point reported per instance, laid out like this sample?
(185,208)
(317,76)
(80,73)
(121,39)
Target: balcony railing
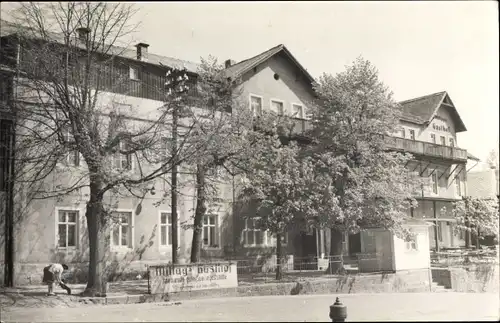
(427,149)
(301,125)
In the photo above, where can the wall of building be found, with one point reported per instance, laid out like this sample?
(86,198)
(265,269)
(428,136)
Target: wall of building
(448,238)
(289,88)
(377,251)
(448,177)
(441,125)
(406,258)
(37,224)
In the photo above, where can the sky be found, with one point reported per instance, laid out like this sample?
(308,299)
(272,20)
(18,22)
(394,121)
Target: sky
(419,47)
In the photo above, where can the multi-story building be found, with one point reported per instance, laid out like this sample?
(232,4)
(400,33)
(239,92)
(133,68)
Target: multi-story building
(429,132)
(55,229)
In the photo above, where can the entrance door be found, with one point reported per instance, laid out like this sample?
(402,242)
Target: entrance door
(354,244)
(309,250)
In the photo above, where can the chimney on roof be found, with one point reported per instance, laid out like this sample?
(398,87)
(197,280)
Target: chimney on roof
(229,62)
(83,34)
(142,51)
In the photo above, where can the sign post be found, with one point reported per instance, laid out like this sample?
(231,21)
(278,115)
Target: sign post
(177,278)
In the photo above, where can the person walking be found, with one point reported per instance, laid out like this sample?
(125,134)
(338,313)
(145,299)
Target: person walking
(52,274)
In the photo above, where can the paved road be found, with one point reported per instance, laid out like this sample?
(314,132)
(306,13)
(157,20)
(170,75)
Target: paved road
(300,308)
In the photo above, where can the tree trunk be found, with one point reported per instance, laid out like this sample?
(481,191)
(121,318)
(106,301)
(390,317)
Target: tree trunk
(467,236)
(478,244)
(336,263)
(199,213)
(96,224)
(279,270)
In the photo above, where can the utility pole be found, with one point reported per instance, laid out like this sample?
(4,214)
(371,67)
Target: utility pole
(175,79)
(175,120)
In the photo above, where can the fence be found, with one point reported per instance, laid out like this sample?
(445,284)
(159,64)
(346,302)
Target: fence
(263,267)
(460,258)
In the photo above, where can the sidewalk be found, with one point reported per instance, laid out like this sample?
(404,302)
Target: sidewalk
(124,292)
(128,292)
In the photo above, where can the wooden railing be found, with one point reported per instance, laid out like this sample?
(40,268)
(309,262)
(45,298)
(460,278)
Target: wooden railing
(427,149)
(301,125)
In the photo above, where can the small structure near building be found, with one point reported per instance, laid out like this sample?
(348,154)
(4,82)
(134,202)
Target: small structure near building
(381,250)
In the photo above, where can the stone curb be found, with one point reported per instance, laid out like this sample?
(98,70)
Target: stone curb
(334,285)
(326,286)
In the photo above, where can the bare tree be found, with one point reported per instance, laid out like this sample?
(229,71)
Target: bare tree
(71,125)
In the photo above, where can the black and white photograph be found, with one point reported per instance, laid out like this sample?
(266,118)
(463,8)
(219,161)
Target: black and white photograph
(251,161)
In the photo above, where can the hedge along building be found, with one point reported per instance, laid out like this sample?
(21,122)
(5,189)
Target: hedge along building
(54,229)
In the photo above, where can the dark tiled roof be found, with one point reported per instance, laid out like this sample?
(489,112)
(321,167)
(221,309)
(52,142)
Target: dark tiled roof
(8,28)
(238,69)
(422,109)
(242,67)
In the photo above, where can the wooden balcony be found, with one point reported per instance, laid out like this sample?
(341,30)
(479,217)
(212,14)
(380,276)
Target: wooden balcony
(427,149)
(300,125)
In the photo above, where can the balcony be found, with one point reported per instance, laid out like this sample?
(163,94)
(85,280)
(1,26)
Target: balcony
(427,149)
(300,125)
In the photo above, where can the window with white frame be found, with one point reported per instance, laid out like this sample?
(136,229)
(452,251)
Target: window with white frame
(215,171)
(253,236)
(443,140)
(67,229)
(411,244)
(121,160)
(256,105)
(403,133)
(73,156)
(434,182)
(412,134)
(272,239)
(297,111)
(165,229)
(133,73)
(121,235)
(452,142)
(433,138)
(210,232)
(277,107)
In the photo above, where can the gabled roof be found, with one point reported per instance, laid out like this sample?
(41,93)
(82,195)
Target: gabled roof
(423,109)
(244,66)
(8,28)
